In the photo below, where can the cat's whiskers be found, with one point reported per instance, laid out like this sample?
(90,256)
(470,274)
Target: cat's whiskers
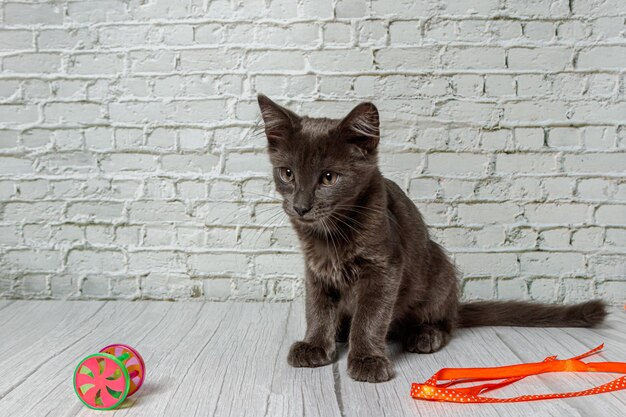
(337,229)
(356,232)
(327,234)
(359,209)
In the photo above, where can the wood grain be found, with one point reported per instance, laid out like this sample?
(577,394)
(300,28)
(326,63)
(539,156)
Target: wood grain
(229,359)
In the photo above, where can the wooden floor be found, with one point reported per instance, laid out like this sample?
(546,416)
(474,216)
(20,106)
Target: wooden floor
(229,359)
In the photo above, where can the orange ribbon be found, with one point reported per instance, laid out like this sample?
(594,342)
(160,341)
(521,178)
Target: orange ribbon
(434,391)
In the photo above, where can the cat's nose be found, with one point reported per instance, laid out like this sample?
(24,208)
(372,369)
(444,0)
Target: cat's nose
(301,210)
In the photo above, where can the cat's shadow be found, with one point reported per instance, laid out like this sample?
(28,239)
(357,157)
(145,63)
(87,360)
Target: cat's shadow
(394,350)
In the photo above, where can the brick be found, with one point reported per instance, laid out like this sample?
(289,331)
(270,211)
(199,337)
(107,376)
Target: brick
(33,212)
(156,261)
(274,61)
(152,62)
(552,263)
(499,85)
(405,162)
(189,163)
(488,213)
(558,188)
(539,31)
(221,263)
(12,165)
(15,40)
(558,8)
(487,264)
(514,163)
(65,39)
(543,290)
(602,57)
(403,8)
(468,85)
(27,62)
(533,85)
(615,237)
(95,211)
(426,188)
(511,289)
(577,289)
(318,9)
(338,60)
(33,260)
(572,30)
(404,33)
(457,110)
(372,32)
(157,211)
(558,238)
(158,189)
(278,264)
(72,112)
(553,59)
(336,33)
(205,60)
(33,14)
(611,215)
(551,213)
(406,58)
(473,58)
(97,11)
(456,164)
(588,238)
(128,162)
(96,64)
(607,266)
(217,289)
(595,163)
(608,27)
(477,289)
(95,260)
(180,111)
(613,291)
(594,189)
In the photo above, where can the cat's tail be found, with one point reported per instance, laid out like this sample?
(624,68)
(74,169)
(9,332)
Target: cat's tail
(520,313)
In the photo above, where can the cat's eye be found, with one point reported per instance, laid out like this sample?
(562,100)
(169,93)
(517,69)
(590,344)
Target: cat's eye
(329,178)
(285,174)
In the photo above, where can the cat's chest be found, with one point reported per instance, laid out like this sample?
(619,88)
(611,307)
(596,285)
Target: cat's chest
(332,263)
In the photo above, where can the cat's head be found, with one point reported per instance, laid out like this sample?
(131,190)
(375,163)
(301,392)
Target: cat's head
(320,165)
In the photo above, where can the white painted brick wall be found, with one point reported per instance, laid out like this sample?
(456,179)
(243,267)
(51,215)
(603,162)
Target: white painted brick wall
(129,166)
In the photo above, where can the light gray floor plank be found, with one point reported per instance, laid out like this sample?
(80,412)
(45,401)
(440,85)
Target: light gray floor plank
(568,343)
(40,331)
(229,359)
(469,348)
(5,303)
(300,393)
(613,330)
(48,390)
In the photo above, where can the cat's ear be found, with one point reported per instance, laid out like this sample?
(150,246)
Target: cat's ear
(362,127)
(278,121)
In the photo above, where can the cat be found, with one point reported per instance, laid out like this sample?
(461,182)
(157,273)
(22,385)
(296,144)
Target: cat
(371,270)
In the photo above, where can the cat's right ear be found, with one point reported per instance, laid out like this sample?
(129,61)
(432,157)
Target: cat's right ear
(279,122)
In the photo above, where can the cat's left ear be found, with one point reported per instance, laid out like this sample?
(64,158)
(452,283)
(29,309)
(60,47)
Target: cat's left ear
(362,127)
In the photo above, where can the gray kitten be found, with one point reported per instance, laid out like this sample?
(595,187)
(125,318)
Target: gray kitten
(372,271)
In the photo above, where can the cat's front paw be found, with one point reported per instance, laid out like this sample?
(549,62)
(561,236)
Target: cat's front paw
(370,368)
(305,355)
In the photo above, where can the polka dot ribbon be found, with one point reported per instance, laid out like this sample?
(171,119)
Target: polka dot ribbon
(440,391)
